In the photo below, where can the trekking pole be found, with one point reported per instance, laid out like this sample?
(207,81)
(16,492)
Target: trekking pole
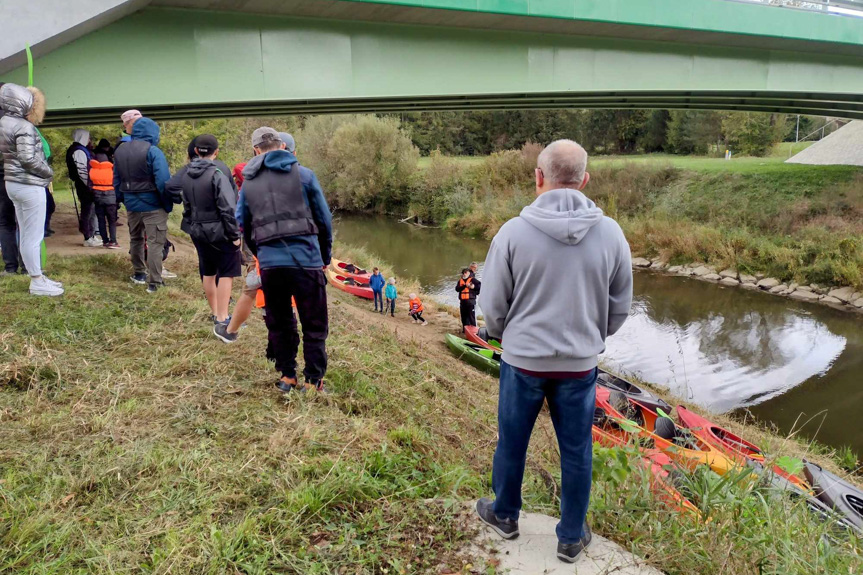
(74,201)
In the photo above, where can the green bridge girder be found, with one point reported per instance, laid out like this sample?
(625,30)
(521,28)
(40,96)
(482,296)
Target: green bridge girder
(352,57)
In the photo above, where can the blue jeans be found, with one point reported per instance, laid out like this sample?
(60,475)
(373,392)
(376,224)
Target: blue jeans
(571,404)
(379,299)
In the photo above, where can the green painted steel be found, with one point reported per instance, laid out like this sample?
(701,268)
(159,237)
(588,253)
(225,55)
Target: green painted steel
(180,64)
(702,15)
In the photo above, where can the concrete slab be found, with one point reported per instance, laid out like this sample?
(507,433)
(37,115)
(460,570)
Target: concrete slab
(534,552)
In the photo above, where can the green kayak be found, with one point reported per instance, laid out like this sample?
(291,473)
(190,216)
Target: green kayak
(479,357)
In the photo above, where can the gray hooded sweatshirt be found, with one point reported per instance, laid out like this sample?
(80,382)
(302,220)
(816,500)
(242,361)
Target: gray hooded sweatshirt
(557,281)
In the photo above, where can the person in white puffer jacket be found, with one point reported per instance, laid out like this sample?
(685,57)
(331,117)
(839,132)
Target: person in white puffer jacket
(27,174)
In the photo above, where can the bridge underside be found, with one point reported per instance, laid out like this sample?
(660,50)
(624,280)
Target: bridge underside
(175,64)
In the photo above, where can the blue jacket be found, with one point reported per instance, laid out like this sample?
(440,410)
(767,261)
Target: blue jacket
(307,251)
(391,292)
(377,282)
(147,130)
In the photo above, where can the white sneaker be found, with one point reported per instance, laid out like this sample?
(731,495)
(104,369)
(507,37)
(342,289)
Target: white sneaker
(166,275)
(52,282)
(41,286)
(93,243)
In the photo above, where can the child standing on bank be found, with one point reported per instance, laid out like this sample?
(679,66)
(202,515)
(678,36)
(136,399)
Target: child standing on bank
(391,295)
(377,282)
(416,309)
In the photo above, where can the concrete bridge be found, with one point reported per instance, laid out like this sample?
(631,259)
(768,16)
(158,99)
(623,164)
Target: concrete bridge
(207,58)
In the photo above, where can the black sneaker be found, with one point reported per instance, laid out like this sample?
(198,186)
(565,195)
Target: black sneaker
(140,279)
(152,288)
(569,552)
(220,330)
(506,528)
(287,384)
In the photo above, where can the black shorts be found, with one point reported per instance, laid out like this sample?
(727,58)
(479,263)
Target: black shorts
(218,259)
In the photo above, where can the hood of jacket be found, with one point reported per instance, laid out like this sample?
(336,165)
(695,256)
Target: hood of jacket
(16,101)
(198,166)
(81,136)
(278,160)
(147,130)
(565,215)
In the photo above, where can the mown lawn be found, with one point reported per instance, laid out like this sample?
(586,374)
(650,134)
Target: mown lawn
(133,441)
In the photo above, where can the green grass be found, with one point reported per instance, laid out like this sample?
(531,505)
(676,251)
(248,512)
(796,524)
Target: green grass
(133,441)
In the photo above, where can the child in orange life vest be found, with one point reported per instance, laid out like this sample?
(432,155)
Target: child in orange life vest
(416,309)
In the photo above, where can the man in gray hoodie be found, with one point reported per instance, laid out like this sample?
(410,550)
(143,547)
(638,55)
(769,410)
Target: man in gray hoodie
(557,282)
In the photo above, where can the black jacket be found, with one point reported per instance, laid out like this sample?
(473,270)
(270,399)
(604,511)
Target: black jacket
(471,293)
(209,202)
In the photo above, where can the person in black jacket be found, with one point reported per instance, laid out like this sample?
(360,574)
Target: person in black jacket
(468,288)
(8,226)
(209,205)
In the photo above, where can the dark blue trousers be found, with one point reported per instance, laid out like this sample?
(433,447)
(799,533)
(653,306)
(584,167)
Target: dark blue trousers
(571,404)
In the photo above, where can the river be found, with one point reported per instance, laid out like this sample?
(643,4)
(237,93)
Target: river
(796,365)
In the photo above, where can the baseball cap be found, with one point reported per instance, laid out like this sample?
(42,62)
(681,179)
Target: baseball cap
(263,135)
(130,115)
(206,144)
(290,144)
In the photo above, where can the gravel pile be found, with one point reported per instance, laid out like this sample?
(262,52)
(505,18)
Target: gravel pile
(844,146)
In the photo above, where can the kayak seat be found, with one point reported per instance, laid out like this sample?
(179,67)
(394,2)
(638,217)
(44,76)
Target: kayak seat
(665,428)
(599,417)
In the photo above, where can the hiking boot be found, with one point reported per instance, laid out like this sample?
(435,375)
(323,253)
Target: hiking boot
(152,288)
(140,279)
(318,386)
(506,528)
(41,286)
(285,383)
(570,552)
(166,275)
(220,330)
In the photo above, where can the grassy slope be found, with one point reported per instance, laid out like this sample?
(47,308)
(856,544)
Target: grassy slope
(131,440)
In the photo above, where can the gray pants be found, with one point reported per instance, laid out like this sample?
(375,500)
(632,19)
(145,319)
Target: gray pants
(30,204)
(153,225)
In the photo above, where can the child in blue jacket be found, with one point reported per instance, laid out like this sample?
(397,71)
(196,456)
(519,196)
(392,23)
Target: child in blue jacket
(377,282)
(391,295)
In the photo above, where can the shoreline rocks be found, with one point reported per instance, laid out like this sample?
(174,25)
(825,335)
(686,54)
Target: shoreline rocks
(845,298)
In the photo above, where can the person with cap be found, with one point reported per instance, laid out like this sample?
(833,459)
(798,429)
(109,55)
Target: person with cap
(140,174)
(287,224)
(128,118)
(209,204)
(78,157)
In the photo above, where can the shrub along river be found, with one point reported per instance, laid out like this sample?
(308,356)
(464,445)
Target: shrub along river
(797,365)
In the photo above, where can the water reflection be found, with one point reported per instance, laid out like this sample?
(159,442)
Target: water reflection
(724,348)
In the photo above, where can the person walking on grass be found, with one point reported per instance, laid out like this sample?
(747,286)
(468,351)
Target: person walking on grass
(392,295)
(26,174)
(140,174)
(209,207)
(78,157)
(105,198)
(468,288)
(377,283)
(553,336)
(287,224)
(415,309)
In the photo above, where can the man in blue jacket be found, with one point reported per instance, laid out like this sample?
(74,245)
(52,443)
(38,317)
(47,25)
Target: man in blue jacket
(140,174)
(287,224)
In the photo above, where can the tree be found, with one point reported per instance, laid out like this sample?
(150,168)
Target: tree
(753,133)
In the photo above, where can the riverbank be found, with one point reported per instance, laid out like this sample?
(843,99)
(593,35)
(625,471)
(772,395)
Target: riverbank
(131,437)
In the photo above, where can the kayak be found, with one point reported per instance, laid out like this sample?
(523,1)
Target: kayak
(632,391)
(836,493)
(350,270)
(654,431)
(350,285)
(471,333)
(653,460)
(485,359)
(731,444)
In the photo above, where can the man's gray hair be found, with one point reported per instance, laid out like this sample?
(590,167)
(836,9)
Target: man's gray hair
(563,162)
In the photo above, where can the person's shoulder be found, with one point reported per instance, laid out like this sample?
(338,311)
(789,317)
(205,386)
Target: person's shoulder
(511,229)
(306,174)
(610,226)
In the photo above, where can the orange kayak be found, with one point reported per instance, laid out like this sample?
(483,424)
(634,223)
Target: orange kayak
(661,433)
(732,445)
(471,333)
(350,285)
(350,270)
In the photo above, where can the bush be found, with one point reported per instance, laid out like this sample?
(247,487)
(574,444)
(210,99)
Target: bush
(363,162)
(440,191)
(504,173)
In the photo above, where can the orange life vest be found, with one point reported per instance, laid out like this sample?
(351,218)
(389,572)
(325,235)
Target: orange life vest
(416,305)
(102,175)
(464,287)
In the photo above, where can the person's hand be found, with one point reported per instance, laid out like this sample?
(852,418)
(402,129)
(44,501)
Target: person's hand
(238,242)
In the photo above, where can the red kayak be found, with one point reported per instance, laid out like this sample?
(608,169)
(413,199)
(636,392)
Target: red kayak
(731,444)
(350,285)
(471,333)
(350,270)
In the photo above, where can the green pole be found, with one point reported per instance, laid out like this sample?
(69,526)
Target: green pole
(44,247)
